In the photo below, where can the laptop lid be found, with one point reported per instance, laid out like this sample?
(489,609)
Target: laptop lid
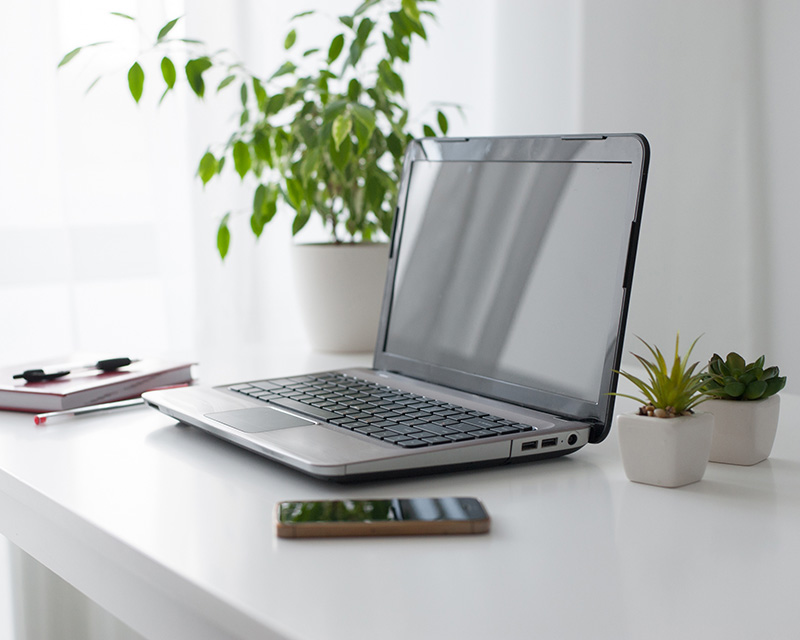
(510,268)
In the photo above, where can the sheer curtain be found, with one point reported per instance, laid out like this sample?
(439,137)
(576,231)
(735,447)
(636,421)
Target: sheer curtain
(96,241)
(107,239)
(712,84)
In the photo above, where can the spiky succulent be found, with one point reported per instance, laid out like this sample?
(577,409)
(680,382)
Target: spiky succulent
(669,391)
(734,379)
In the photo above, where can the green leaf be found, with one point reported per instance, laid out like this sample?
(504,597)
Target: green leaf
(755,390)
(364,29)
(225,82)
(392,81)
(347,21)
(302,14)
(364,6)
(774,385)
(442,119)
(395,145)
(69,56)
(337,44)
(241,158)
(309,52)
(291,38)
(275,104)
(168,72)
(341,128)
(734,389)
(256,224)
(735,363)
(364,114)
(300,221)
(428,131)
(194,74)
(356,49)
(260,92)
(262,146)
(136,81)
(340,156)
(411,10)
(770,372)
(122,15)
(166,29)
(285,68)
(260,199)
(91,86)
(294,193)
(223,237)
(208,167)
(353,90)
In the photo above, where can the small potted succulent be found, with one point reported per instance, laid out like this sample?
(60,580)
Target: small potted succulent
(666,443)
(745,403)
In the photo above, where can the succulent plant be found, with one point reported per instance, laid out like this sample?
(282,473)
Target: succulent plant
(734,379)
(669,391)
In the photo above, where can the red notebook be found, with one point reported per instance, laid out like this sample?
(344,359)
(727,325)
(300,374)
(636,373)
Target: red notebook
(83,388)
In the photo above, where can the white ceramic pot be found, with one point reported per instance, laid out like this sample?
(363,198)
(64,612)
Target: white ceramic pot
(743,430)
(667,452)
(340,289)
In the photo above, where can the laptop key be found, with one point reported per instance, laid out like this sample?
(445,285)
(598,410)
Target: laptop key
(293,405)
(436,440)
(435,428)
(267,385)
(459,437)
(368,430)
(352,424)
(482,433)
(404,429)
(413,444)
(503,429)
(481,422)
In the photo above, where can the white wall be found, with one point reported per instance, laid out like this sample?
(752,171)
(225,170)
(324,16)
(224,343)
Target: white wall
(713,86)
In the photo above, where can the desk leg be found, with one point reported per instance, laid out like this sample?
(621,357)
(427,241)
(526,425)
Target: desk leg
(45,607)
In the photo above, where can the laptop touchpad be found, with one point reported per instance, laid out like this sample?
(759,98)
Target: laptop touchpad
(258,419)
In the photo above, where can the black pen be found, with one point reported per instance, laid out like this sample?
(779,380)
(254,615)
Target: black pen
(39,375)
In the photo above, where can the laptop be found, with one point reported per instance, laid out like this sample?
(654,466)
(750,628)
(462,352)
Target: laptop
(510,270)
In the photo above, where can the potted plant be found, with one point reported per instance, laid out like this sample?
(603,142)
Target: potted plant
(666,443)
(745,403)
(324,135)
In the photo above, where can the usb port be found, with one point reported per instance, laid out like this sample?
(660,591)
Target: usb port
(531,444)
(549,442)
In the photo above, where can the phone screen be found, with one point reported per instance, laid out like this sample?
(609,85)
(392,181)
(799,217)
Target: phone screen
(389,510)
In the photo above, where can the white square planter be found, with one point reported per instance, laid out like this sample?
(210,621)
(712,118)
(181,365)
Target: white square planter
(743,430)
(667,452)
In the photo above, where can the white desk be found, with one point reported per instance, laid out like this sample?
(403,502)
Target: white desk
(171,531)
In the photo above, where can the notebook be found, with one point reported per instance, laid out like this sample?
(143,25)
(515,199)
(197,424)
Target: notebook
(85,386)
(510,270)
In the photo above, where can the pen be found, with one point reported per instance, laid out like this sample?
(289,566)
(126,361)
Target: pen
(39,375)
(41,418)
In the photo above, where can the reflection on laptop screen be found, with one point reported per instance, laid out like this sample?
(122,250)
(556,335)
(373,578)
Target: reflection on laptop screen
(529,294)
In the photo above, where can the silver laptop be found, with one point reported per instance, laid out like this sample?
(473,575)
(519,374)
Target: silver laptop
(507,291)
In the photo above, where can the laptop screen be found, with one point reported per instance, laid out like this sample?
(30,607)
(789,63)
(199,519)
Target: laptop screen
(511,273)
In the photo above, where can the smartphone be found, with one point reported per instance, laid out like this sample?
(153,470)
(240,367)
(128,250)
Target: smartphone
(384,517)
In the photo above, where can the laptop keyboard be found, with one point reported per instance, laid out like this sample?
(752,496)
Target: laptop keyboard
(398,417)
